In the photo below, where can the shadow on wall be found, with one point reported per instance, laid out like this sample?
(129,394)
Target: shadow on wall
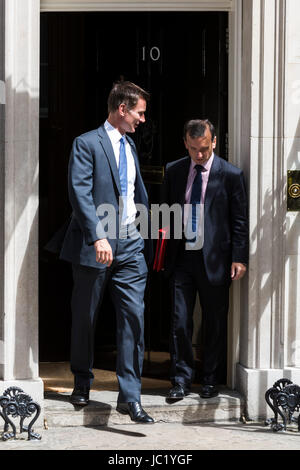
(2,176)
(292,231)
(21,228)
(2,173)
(271,288)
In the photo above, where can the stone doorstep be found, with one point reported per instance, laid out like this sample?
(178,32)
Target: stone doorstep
(101,411)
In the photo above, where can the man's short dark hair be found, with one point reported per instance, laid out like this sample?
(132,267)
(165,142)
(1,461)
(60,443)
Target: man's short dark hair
(127,93)
(197,127)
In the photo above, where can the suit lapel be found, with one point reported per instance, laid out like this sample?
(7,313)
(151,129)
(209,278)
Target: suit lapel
(213,183)
(109,152)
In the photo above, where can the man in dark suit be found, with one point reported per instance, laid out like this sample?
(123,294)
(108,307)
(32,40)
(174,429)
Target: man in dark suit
(105,248)
(212,252)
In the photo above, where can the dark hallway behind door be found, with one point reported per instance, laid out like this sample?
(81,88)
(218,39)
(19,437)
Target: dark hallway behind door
(181,59)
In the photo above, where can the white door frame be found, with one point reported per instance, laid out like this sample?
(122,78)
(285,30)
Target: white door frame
(136,5)
(234,8)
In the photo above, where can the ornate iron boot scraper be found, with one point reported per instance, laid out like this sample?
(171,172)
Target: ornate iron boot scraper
(15,402)
(284,399)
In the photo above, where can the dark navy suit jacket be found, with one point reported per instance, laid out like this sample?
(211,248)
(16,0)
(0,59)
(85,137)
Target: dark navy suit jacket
(226,237)
(94,180)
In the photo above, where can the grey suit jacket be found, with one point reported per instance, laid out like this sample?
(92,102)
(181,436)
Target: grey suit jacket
(93,180)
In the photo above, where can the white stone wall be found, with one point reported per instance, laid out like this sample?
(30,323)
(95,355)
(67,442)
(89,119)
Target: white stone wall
(2,140)
(270,339)
(292,162)
(19,196)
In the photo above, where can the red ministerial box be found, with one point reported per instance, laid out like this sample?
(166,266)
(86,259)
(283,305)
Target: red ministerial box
(159,259)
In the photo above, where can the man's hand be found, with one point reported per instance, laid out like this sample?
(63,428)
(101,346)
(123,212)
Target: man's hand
(103,252)
(237,271)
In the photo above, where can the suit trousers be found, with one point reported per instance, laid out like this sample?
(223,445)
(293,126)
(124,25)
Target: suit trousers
(189,277)
(126,281)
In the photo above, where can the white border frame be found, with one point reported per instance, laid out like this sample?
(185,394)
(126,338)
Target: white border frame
(234,8)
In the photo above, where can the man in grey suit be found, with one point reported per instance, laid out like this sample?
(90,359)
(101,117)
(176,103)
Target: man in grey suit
(104,176)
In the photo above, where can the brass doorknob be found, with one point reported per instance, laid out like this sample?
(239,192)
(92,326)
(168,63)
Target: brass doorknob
(294,190)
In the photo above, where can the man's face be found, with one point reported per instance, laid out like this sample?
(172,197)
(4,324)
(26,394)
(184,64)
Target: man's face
(200,148)
(134,116)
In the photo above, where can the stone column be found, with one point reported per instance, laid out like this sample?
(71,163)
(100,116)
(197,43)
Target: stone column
(268,148)
(19,137)
(291,334)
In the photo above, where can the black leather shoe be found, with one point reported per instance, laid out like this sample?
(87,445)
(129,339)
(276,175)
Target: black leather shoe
(135,411)
(80,396)
(209,391)
(177,392)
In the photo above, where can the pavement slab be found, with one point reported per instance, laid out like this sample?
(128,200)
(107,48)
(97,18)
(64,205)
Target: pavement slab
(166,437)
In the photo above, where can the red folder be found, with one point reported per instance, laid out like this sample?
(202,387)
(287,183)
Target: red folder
(159,259)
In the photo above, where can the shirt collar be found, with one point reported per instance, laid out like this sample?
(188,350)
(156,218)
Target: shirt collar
(113,133)
(206,165)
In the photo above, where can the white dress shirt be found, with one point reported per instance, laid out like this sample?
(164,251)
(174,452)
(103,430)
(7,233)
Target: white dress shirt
(115,137)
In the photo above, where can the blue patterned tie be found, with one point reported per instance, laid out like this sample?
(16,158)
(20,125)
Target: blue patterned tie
(123,174)
(123,167)
(196,195)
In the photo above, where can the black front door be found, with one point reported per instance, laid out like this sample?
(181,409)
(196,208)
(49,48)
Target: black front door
(181,59)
